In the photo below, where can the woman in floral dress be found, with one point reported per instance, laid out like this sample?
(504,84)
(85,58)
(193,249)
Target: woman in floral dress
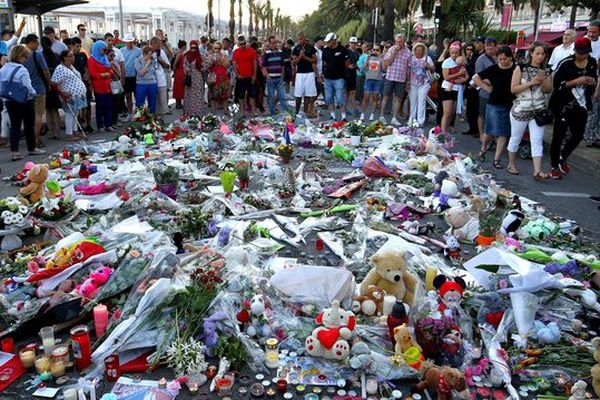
(194,65)
(218,79)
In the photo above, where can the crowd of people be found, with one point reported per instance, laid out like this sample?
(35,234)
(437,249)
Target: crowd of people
(501,97)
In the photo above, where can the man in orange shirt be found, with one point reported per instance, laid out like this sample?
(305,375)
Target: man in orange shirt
(245,61)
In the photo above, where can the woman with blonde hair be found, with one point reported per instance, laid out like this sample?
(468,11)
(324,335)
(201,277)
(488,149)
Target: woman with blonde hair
(20,110)
(421,67)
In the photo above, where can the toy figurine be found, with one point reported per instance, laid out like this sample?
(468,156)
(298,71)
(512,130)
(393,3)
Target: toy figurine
(332,339)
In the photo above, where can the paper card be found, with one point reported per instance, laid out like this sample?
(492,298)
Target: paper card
(46,392)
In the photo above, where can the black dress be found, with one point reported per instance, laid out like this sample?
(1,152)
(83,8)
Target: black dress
(52,99)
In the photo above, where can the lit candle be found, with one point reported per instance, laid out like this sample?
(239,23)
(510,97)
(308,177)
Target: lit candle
(100,319)
(47,335)
(70,394)
(42,364)
(27,357)
(388,304)
(272,353)
(57,368)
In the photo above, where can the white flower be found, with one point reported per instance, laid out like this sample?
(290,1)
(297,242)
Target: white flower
(18,218)
(5,213)
(23,209)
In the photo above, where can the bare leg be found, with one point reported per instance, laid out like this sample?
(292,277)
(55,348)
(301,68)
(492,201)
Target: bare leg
(480,125)
(537,165)
(501,142)
(213,106)
(448,106)
(485,142)
(365,103)
(298,104)
(384,104)
(512,162)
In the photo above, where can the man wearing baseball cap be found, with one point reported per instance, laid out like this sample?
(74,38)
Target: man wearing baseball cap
(335,62)
(130,53)
(574,85)
(353,56)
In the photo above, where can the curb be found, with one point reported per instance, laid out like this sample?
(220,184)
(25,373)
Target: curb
(584,159)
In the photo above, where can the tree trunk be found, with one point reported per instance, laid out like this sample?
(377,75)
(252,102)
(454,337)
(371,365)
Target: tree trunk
(388,20)
(536,17)
(210,18)
(250,21)
(256,21)
(232,20)
(573,16)
(239,17)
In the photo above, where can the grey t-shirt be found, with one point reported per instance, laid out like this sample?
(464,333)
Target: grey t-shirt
(483,62)
(374,68)
(37,81)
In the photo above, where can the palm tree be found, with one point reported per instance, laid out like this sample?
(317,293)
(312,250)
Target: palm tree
(210,18)
(251,21)
(276,22)
(240,17)
(389,16)
(269,17)
(257,17)
(232,20)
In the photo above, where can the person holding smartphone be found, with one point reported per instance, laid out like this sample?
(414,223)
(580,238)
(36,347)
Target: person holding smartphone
(146,83)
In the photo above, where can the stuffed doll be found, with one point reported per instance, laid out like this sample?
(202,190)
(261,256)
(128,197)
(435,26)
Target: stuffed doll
(546,333)
(255,316)
(464,223)
(98,277)
(37,175)
(361,359)
(492,309)
(390,273)
(371,303)
(452,352)
(450,293)
(404,340)
(441,380)
(210,331)
(452,249)
(332,339)
(511,222)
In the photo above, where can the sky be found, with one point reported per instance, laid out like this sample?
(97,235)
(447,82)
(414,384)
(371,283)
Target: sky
(294,8)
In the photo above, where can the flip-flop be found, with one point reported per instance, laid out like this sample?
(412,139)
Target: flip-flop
(512,171)
(497,164)
(541,177)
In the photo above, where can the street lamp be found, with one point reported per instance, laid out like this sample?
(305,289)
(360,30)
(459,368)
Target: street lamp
(121,20)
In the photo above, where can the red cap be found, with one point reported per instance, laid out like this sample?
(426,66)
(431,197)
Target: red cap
(583,45)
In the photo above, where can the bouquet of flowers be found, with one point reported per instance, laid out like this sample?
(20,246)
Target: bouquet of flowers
(53,209)
(193,223)
(377,128)
(18,264)
(166,180)
(12,212)
(285,150)
(142,123)
(444,138)
(186,356)
(355,128)
(209,122)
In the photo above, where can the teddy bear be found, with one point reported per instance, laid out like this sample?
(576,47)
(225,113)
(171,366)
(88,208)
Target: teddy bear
(362,359)
(98,277)
(463,221)
(442,380)
(546,333)
(404,340)
(332,339)
(452,249)
(492,309)
(578,391)
(255,315)
(37,175)
(390,273)
(595,371)
(450,293)
(512,222)
(371,303)
(124,142)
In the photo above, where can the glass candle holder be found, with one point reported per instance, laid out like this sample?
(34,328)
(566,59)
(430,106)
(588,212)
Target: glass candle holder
(27,357)
(58,368)
(272,353)
(42,364)
(61,352)
(47,335)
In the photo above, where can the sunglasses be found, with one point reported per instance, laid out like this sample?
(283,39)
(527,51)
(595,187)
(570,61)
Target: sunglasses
(243,44)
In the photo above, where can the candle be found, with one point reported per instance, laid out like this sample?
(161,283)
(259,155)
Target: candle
(57,368)
(82,349)
(388,304)
(112,368)
(100,319)
(272,353)
(27,357)
(42,364)
(61,352)
(282,386)
(8,345)
(371,386)
(47,335)
(70,394)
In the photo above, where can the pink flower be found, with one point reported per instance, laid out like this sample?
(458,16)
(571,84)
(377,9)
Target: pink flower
(33,267)
(437,130)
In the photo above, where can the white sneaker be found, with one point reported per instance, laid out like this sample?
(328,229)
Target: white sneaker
(394,121)
(372,117)
(362,116)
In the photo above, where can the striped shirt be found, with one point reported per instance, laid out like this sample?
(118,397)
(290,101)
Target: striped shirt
(273,63)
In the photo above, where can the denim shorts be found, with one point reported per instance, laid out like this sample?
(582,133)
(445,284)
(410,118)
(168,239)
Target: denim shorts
(335,87)
(373,85)
(497,120)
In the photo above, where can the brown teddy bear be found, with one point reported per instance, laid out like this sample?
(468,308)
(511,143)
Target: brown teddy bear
(596,368)
(442,380)
(371,303)
(390,273)
(37,175)
(404,340)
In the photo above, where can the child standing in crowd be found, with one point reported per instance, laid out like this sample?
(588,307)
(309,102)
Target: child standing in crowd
(373,70)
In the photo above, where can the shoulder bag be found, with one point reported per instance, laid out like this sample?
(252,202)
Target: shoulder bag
(542,116)
(14,91)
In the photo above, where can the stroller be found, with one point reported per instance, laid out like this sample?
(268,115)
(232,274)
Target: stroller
(525,146)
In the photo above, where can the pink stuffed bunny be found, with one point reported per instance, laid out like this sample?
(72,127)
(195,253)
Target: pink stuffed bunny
(98,277)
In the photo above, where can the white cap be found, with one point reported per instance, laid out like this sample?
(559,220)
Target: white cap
(129,37)
(353,39)
(330,36)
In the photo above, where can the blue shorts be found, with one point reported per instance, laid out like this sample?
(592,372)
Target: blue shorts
(373,86)
(337,88)
(497,120)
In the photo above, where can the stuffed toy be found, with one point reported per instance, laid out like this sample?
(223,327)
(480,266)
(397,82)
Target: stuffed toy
(442,380)
(37,175)
(255,316)
(452,249)
(209,330)
(332,339)
(390,273)
(578,391)
(149,139)
(448,189)
(492,309)
(540,228)
(595,371)
(450,293)
(477,205)
(404,340)
(98,277)
(464,223)
(361,359)
(511,222)
(371,303)
(452,352)
(546,333)
(124,142)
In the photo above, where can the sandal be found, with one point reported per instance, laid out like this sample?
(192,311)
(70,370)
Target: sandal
(497,164)
(72,138)
(481,156)
(541,176)
(16,157)
(512,170)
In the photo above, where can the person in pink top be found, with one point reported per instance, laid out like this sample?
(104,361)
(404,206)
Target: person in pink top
(397,64)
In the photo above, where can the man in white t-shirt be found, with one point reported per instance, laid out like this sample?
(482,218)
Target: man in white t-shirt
(564,50)
(162,72)
(591,129)
(57,45)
